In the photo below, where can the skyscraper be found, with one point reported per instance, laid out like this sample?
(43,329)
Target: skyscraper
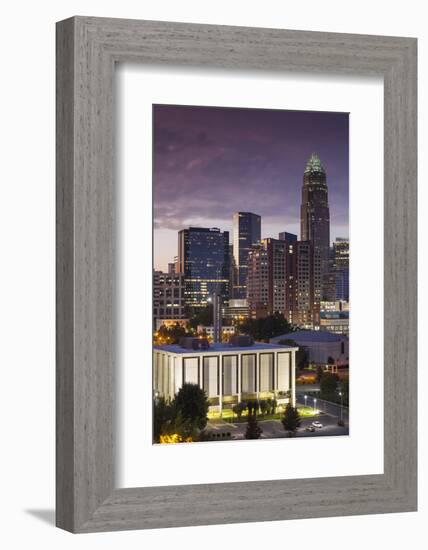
(282,278)
(203,258)
(341,253)
(341,266)
(285,236)
(246,233)
(306,285)
(257,284)
(269,278)
(315,212)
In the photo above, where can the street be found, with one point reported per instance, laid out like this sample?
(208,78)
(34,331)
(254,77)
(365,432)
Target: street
(324,406)
(273,428)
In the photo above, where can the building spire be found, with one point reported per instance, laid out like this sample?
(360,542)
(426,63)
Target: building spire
(314,164)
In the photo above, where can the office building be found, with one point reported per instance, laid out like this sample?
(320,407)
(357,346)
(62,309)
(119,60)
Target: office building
(203,258)
(168,297)
(335,305)
(257,287)
(315,212)
(329,286)
(341,253)
(285,236)
(306,286)
(341,268)
(336,322)
(336,281)
(246,234)
(342,285)
(335,317)
(237,310)
(284,278)
(270,278)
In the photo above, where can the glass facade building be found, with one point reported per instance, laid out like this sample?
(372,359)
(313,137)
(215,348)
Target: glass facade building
(203,258)
(341,266)
(246,234)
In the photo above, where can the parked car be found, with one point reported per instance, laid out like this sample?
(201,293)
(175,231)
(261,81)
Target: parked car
(316,424)
(310,429)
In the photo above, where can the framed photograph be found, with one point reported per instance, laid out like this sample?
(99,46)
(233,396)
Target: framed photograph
(232,306)
(236,274)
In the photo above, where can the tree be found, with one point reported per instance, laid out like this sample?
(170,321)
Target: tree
(291,420)
(328,386)
(267,327)
(345,391)
(239,408)
(170,335)
(252,406)
(253,430)
(263,406)
(162,415)
(200,316)
(320,372)
(191,406)
(274,406)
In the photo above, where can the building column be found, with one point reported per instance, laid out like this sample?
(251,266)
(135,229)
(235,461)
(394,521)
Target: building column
(275,373)
(201,372)
(172,378)
(220,376)
(238,362)
(293,378)
(178,382)
(257,373)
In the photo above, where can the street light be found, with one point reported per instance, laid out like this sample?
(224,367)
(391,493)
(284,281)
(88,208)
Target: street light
(306,399)
(315,404)
(341,406)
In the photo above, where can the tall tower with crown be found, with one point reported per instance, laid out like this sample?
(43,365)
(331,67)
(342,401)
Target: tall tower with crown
(315,212)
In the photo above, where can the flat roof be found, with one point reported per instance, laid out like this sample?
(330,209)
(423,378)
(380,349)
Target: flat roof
(220,348)
(302,336)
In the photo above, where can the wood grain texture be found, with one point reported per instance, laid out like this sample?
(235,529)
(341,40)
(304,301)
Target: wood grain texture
(87,50)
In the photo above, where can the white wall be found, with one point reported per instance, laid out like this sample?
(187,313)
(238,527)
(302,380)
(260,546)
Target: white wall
(27,271)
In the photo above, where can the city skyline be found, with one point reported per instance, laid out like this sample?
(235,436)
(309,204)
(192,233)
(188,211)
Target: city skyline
(208,157)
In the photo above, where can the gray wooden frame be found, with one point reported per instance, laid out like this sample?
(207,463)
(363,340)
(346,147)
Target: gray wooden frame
(87,50)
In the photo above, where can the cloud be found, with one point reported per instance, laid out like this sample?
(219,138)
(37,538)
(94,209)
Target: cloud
(211,162)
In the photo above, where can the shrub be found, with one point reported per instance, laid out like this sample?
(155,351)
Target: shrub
(253,430)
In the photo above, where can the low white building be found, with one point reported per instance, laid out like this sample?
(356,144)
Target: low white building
(228,373)
(320,345)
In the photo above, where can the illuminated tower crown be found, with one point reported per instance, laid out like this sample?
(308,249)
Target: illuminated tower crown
(314,165)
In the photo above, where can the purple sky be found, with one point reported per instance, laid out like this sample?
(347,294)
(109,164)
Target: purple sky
(209,162)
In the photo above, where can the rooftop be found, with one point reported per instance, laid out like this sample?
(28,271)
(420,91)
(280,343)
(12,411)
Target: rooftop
(222,347)
(334,314)
(314,164)
(302,336)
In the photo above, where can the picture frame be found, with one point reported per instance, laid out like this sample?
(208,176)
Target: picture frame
(87,51)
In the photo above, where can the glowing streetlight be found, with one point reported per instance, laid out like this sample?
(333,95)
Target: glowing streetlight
(341,406)
(306,399)
(315,404)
